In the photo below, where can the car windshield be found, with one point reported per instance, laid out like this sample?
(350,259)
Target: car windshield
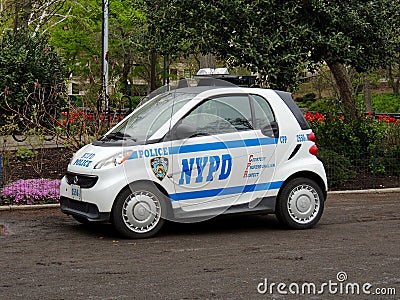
(157,109)
(147,119)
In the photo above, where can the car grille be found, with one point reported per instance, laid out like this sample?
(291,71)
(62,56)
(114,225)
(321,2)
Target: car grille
(84,181)
(82,209)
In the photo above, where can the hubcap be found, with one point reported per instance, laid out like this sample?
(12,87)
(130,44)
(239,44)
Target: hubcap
(141,211)
(303,204)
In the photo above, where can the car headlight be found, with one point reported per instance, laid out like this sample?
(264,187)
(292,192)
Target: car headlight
(113,161)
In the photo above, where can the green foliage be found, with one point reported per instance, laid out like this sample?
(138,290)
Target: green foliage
(307,100)
(279,39)
(325,105)
(357,33)
(136,101)
(26,63)
(78,37)
(25,154)
(79,41)
(307,97)
(9,127)
(246,34)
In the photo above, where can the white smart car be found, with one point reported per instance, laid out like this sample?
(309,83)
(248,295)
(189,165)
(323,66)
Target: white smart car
(199,151)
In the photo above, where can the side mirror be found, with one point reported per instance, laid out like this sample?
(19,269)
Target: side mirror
(184,131)
(271,130)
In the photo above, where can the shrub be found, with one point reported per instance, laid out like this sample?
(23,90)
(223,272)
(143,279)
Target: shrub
(338,167)
(371,143)
(26,62)
(25,154)
(385,160)
(325,105)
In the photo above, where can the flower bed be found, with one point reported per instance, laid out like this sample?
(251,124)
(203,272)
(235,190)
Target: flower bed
(31,191)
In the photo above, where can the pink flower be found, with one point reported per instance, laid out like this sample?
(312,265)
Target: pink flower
(30,191)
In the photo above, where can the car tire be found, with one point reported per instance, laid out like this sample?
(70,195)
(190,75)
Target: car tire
(139,211)
(300,203)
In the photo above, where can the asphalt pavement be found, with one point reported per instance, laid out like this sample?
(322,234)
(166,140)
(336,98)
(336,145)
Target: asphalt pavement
(48,255)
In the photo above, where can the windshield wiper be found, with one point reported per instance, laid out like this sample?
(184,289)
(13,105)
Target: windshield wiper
(119,136)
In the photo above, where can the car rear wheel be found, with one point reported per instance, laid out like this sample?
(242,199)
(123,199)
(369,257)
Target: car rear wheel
(300,204)
(138,211)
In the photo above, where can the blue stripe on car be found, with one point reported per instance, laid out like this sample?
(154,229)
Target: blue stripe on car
(226,191)
(216,146)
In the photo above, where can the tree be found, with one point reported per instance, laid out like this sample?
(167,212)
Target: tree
(78,39)
(127,38)
(278,39)
(39,15)
(359,34)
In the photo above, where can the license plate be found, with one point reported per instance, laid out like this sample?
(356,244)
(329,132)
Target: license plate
(76,192)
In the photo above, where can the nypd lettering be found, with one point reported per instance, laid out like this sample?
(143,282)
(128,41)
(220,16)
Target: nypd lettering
(85,160)
(218,167)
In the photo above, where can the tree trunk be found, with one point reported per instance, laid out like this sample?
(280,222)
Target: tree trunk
(153,62)
(207,61)
(345,88)
(22,10)
(394,82)
(125,73)
(367,95)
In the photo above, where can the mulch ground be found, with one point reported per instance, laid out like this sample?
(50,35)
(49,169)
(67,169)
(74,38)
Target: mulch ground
(48,163)
(368,181)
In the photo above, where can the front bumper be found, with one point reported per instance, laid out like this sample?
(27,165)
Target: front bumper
(86,210)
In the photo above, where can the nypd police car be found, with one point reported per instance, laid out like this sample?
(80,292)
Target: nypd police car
(197,151)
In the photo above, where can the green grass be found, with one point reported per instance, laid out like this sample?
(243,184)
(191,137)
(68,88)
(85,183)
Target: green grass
(381,103)
(384,103)
(387,103)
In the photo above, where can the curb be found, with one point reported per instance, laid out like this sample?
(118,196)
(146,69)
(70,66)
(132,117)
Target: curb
(369,191)
(28,207)
(57,205)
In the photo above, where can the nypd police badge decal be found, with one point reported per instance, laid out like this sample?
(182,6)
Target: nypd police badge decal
(159,165)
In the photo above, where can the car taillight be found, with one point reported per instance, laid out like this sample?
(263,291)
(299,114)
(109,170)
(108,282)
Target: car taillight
(313,150)
(311,137)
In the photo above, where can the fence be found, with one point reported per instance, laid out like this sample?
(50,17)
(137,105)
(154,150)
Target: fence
(378,167)
(33,180)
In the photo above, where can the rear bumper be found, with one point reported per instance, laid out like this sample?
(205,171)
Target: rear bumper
(86,210)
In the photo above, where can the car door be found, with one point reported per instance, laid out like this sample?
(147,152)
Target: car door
(217,154)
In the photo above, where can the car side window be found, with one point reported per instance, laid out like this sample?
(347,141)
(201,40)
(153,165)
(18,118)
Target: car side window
(221,115)
(263,114)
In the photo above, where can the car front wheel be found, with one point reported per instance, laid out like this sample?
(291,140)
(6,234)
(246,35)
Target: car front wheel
(139,211)
(300,204)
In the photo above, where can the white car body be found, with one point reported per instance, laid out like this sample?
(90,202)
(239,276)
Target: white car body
(201,176)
